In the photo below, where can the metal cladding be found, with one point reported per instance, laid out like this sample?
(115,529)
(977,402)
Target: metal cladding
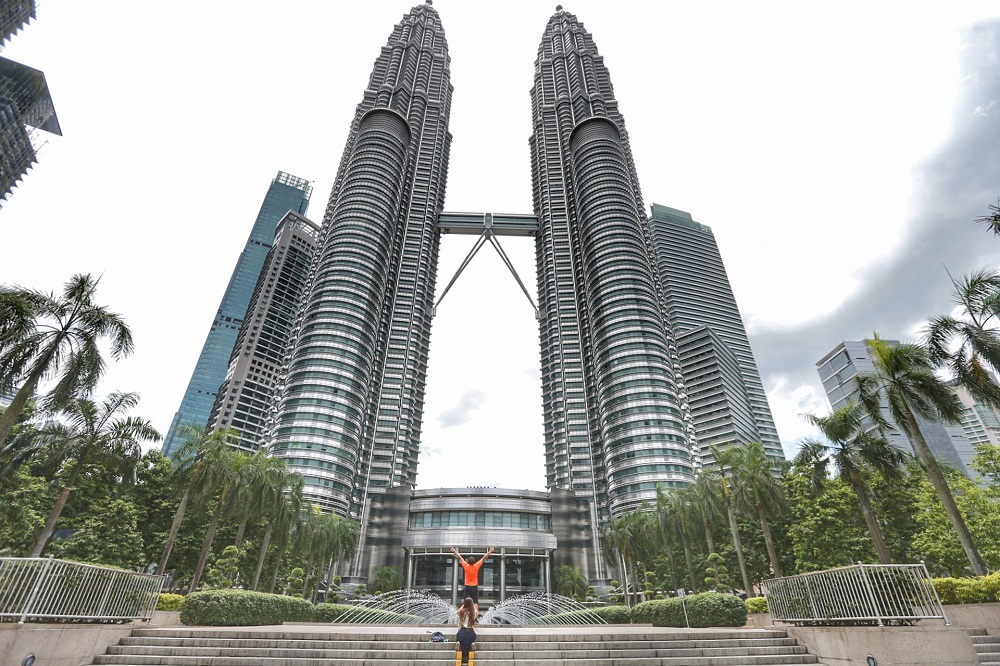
(614,422)
(351,406)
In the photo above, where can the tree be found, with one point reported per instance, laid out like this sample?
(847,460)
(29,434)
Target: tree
(224,471)
(387,579)
(717,574)
(723,473)
(284,509)
(44,336)
(93,434)
(757,489)
(904,378)
(968,343)
(675,510)
(570,582)
(196,460)
(851,447)
(992,221)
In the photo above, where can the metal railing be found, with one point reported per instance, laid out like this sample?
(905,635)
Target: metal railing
(859,594)
(48,589)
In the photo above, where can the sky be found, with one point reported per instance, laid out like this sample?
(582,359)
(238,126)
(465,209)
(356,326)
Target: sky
(839,151)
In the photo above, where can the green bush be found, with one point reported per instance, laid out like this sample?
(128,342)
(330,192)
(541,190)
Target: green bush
(169,602)
(968,590)
(613,614)
(757,605)
(708,609)
(330,612)
(241,608)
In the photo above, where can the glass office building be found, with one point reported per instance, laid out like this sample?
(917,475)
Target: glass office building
(286,193)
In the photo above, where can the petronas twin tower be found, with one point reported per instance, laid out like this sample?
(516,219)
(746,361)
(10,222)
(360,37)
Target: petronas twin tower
(351,405)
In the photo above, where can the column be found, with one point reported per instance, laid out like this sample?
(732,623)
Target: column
(503,574)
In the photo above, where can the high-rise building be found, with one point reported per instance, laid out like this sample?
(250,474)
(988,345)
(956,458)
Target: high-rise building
(245,398)
(980,422)
(837,370)
(285,193)
(25,103)
(698,294)
(352,397)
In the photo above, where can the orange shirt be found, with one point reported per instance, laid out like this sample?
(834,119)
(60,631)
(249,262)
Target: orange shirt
(472,571)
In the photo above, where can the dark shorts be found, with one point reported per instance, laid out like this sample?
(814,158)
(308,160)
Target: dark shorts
(471,591)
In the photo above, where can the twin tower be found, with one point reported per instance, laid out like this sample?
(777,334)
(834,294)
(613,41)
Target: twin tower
(618,419)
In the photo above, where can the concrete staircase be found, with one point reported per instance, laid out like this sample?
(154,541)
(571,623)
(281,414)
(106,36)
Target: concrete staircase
(322,645)
(987,648)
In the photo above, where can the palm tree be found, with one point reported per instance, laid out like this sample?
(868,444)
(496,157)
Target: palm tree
(195,457)
(852,447)
(224,473)
(284,502)
(623,539)
(92,434)
(569,582)
(723,473)
(757,489)
(992,221)
(675,511)
(44,336)
(904,379)
(968,344)
(704,499)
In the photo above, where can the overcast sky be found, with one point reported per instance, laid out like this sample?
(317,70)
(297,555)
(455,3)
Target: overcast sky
(839,151)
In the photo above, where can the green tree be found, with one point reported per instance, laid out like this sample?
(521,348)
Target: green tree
(724,476)
(717,577)
(677,515)
(198,460)
(992,220)
(851,446)
(569,582)
(987,463)
(43,336)
(108,534)
(224,470)
(387,579)
(904,379)
(968,343)
(225,572)
(93,434)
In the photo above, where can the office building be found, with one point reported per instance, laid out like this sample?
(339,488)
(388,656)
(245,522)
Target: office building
(698,294)
(245,398)
(837,370)
(285,193)
(352,397)
(25,103)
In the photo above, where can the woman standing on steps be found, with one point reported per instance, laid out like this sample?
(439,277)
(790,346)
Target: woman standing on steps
(466,636)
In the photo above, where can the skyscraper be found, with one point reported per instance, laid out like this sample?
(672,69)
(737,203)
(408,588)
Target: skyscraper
(245,397)
(353,397)
(285,193)
(351,402)
(698,294)
(614,425)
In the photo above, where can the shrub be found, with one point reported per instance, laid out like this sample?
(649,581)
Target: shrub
(968,590)
(613,614)
(169,602)
(708,609)
(241,608)
(330,612)
(757,605)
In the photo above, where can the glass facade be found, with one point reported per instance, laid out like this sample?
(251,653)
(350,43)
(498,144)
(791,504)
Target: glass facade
(699,296)
(286,193)
(609,376)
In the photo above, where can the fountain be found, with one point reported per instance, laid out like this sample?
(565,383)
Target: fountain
(411,607)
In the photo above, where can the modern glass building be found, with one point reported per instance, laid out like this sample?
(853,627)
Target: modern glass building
(849,358)
(245,399)
(698,294)
(285,193)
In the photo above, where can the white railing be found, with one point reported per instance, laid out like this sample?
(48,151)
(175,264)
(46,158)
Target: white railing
(862,593)
(48,589)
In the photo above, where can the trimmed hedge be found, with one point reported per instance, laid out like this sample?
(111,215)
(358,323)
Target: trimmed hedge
(333,613)
(330,612)
(757,605)
(708,609)
(241,608)
(613,614)
(610,614)
(985,589)
(169,602)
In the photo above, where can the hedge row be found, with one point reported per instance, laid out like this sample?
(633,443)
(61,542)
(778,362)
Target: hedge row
(610,614)
(238,608)
(169,602)
(708,609)
(242,608)
(985,589)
